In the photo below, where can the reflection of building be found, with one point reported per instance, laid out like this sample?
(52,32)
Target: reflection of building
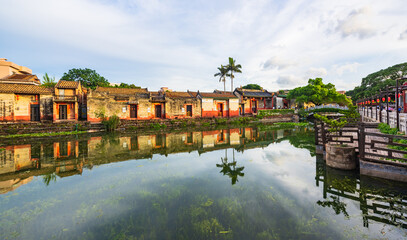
(68,157)
(375,204)
(12,184)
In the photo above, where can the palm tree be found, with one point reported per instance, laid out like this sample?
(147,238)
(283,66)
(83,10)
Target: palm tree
(233,67)
(223,73)
(48,81)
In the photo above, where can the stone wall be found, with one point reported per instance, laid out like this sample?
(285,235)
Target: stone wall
(6,106)
(102,102)
(177,107)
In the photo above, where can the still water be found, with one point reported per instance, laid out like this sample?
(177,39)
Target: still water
(245,183)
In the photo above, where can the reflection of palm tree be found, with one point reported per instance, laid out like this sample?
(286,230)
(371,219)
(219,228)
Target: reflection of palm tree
(48,178)
(230,169)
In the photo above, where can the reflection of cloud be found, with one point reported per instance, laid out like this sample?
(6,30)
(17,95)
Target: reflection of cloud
(277,63)
(357,24)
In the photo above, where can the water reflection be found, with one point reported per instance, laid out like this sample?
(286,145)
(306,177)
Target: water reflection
(380,200)
(262,201)
(230,169)
(63,158)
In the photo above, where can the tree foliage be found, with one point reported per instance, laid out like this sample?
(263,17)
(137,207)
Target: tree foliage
(88,77)
(318,93)
(374,82)
(222,74)
(232,67)
(125,85)
(48,81)
(252,86)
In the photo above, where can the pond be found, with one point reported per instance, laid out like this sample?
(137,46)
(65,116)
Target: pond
(244,183)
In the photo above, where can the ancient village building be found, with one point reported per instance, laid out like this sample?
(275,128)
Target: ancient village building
(157,109)
(9,68)
(126,103)
(251,100)
(182,105)
(218,104)
(69,101)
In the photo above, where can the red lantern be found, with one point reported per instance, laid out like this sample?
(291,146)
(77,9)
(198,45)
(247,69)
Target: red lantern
(378,100)
(399,95)
(389,99)
(383,99)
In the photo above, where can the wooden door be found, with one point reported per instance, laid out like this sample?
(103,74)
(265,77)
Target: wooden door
(63,112)
(220,109)
(189,110)
(158,111)
(254,106)
(35,112)
(133,111)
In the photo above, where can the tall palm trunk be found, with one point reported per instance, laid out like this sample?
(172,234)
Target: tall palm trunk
(224,85)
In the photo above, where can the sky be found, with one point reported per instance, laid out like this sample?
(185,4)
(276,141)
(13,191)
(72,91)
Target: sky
(180,44)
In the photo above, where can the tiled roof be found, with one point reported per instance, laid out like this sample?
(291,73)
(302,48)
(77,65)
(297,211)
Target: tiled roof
(24,88)
(193,94)
(121,91)
(21,78)
(217,95)
(67,84)
(253,93)
(178,95)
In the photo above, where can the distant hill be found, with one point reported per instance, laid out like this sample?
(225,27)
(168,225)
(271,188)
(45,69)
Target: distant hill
(373,82)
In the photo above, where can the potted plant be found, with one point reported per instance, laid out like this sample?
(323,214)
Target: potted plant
(339,155)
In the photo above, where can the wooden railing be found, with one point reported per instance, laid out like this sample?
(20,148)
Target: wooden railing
(369,143)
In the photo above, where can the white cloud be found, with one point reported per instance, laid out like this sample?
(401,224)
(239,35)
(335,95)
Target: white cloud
(180,45)
(277,63)
(403,35)
(290,81)
(358,23)
(348,67)
(316,72)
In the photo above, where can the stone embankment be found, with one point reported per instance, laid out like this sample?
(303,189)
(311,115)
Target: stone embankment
(134,125)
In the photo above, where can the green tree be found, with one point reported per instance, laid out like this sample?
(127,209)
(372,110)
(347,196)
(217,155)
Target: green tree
(223,73)
(318,93)
(373,83)
(48,81)
(252,86)
(232,67)
(88,77)
(125,85)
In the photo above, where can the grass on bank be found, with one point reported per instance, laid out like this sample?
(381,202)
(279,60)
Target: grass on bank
(386,129)
(42,134)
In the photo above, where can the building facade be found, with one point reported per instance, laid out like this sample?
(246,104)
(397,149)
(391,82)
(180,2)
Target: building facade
(251,100)
(69,98)
(218,104)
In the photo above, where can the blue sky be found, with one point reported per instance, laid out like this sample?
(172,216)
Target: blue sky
(180,44)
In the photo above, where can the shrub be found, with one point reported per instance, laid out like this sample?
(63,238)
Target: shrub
(220,121)
(111,123)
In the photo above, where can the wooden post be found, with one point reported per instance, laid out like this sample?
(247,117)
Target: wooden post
(371,109)
(397,103)
(361,141)
(380,108)
(316,132)
(323,137)
(387,101)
